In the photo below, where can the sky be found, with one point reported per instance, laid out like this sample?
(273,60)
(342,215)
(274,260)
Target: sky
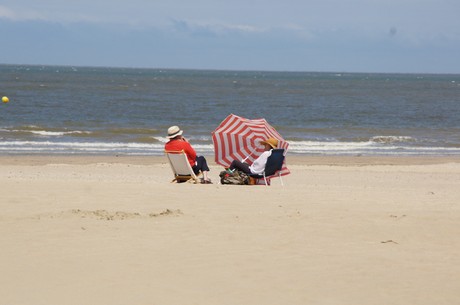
(388,36)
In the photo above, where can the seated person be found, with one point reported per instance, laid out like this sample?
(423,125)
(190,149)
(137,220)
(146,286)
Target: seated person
(258,166)
(178,143)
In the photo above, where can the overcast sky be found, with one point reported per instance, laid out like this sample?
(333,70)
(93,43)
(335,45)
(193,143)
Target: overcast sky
(415,36)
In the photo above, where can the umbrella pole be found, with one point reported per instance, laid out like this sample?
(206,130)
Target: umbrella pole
(230,171)
(248,156)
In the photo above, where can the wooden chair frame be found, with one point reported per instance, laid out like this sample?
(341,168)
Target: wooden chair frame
(180,166)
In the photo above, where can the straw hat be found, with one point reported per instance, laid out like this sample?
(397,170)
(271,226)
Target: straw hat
(270,141)
(174,131)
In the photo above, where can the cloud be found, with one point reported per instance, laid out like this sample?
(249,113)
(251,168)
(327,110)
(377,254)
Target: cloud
(393,31)
(20,15)
(54,14)
(6,13)
(213,30)
(72,36)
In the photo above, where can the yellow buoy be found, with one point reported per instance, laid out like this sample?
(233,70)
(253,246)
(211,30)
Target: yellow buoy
(5,99)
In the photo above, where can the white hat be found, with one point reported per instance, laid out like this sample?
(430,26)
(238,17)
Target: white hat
(174,131)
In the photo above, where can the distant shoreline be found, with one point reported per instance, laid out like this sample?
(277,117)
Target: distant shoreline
(221,70)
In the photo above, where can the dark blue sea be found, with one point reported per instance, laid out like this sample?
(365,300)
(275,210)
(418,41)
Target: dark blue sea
(85,110)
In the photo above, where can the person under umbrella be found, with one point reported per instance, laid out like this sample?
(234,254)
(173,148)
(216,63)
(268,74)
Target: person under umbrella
(258,166)
(238,138)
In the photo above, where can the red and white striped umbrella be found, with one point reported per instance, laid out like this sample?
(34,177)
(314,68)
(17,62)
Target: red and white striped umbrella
(239,138)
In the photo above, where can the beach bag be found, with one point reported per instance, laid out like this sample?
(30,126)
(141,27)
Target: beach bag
(237,178)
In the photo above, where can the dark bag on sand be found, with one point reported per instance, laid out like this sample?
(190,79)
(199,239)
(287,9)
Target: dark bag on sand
(237,177)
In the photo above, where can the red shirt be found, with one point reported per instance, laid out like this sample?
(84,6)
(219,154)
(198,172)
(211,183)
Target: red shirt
(178,145)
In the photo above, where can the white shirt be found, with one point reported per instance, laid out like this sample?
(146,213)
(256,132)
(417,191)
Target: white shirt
(258,166)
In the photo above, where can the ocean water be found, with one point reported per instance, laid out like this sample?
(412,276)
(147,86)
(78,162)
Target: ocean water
(85,110)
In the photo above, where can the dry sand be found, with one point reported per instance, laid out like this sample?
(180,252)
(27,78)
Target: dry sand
(343,230)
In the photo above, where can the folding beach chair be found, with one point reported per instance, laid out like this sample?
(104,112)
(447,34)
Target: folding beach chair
(272,168)
(180,166)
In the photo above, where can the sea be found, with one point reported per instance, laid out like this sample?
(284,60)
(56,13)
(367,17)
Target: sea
(127,111)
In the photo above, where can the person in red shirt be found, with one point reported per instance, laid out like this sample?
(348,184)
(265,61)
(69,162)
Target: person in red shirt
(177,143)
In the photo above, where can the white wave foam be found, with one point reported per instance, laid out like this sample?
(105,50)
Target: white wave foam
(295,147)
(392,139)
(200,138)
(162,139)
(55,133)
(77,144)
(299,146)
(45,132)
(365,147)
(90,147)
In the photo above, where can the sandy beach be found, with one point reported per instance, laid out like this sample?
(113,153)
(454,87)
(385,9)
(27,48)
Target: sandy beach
(343,230)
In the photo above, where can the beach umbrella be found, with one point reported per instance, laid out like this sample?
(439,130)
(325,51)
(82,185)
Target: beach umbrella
(239,138)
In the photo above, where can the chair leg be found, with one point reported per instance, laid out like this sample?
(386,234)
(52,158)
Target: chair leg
(267,181)
(281,179)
